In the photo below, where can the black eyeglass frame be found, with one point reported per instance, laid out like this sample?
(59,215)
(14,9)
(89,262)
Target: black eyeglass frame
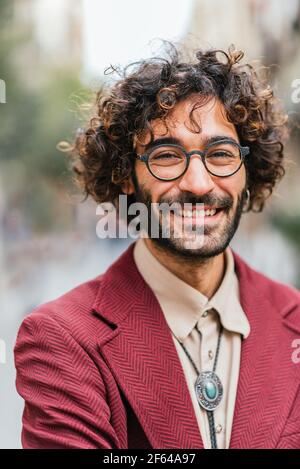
(244,151)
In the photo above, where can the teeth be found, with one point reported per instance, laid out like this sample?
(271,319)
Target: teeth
(210,212)
(191,213)
(198,213)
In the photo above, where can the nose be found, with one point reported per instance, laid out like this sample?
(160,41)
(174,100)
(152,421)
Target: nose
(196,179)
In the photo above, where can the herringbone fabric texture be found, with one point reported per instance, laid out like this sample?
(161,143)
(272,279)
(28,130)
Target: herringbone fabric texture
(97,368)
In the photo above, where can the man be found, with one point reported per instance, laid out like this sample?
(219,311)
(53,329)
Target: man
(179,344)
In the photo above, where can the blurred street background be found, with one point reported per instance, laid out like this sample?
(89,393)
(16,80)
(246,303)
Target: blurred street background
(53,54)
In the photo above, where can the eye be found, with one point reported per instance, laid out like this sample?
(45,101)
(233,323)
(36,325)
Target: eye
(166,155)
(221,154)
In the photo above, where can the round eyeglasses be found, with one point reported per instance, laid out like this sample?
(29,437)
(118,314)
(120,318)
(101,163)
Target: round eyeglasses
(168,162)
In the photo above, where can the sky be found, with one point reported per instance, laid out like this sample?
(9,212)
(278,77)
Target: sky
(119,31)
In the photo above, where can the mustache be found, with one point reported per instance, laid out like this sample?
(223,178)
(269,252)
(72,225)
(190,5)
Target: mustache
(224,203)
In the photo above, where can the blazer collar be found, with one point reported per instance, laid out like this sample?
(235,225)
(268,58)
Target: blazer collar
(267,382)
(141,355)
(177,296)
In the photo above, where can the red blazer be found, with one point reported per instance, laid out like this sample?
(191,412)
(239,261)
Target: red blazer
(98,368)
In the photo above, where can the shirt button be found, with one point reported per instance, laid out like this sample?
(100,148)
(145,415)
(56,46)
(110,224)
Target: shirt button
(204,314)
(210,354)
(219,428)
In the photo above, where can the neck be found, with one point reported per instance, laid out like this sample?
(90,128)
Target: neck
(205,276)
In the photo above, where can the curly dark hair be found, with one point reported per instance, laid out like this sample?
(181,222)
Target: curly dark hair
(103,153)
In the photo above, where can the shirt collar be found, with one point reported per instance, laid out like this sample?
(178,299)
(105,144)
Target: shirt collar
(182,304)
(226,300)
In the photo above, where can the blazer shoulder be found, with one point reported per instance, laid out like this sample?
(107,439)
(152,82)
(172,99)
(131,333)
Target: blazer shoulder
(72,311)
(276,290)
(284,298)
(262,281)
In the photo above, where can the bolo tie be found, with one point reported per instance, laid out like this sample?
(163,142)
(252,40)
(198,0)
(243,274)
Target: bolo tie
(208,388)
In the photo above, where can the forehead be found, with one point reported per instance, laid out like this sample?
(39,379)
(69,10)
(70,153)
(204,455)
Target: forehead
(208,119)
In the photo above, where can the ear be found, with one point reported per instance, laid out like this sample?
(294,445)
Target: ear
(127,186)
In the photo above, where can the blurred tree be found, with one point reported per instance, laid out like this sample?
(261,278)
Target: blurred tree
(35,117)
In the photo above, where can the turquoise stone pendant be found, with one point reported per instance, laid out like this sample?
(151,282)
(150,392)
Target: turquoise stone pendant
(209,390)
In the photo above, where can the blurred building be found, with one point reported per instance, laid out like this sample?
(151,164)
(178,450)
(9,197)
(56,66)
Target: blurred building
(265,29)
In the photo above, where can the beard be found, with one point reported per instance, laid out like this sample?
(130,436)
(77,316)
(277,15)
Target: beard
(210,241)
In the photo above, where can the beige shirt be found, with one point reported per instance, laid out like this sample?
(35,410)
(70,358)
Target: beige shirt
(185,308)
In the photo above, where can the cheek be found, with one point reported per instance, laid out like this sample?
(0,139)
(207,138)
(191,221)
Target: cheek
(243,177)
(236,183)
(233,185)
(242,183)
(161,190)
(156,188)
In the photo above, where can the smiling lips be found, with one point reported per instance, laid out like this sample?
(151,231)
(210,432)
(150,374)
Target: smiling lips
(199,213)
(195,212)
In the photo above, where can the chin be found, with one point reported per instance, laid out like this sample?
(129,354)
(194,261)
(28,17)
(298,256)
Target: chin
(202,247)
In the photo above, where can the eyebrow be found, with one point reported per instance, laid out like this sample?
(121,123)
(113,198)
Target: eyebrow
(176,141)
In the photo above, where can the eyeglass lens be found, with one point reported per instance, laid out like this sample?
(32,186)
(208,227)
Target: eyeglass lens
(168,162)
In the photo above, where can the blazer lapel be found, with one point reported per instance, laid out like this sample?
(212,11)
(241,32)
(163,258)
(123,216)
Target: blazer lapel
(143,359)
(141,355)
(267,385)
